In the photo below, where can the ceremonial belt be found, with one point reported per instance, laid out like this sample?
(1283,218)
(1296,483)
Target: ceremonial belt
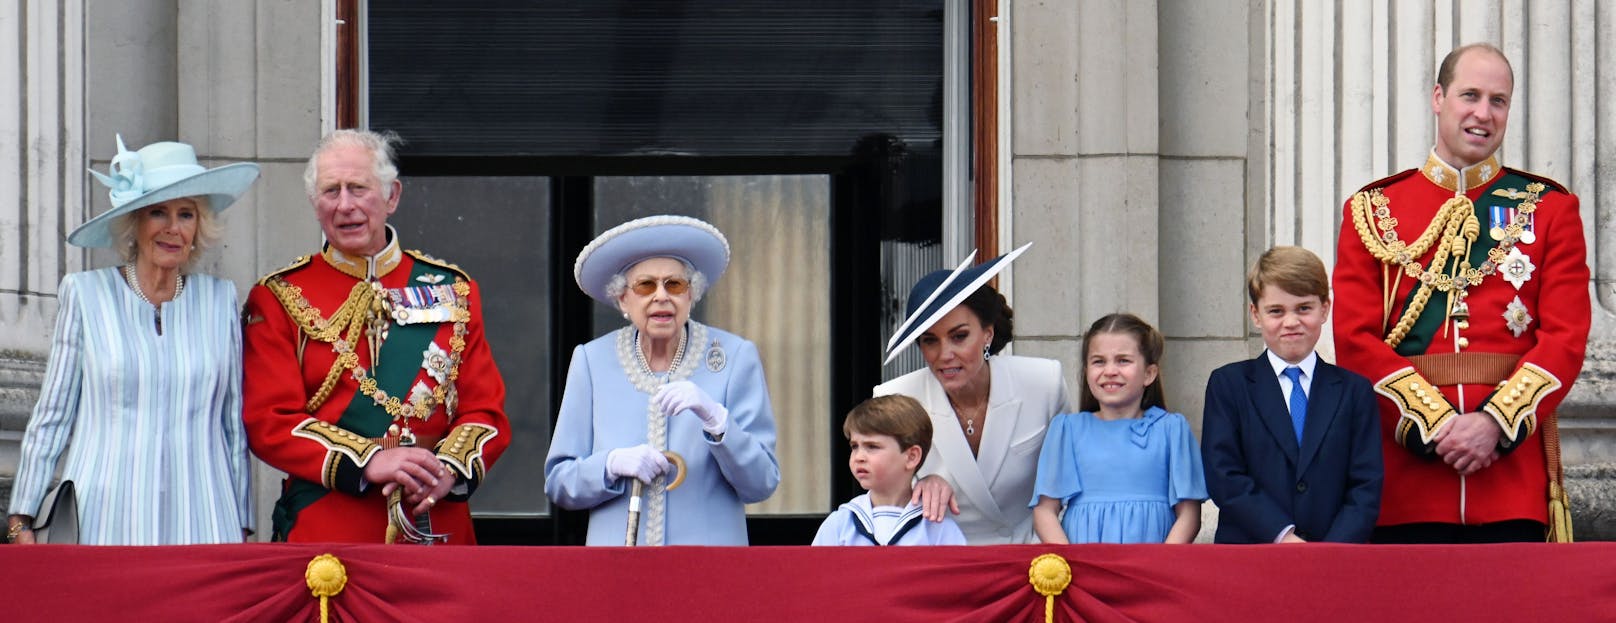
(1466,368)
(421,441)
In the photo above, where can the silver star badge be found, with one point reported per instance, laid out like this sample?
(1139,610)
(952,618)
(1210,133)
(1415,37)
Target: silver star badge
(1517,267)
(435,361)
(1517,317)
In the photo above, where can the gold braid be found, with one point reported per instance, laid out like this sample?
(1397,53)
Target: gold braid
(1456,220)
(349,320)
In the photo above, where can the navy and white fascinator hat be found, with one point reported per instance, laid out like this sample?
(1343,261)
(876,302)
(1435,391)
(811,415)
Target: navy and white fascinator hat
(940,292)
(156,173)
(665,235)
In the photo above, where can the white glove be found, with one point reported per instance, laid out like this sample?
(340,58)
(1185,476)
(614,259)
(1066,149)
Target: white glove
(641,462)
(684,395)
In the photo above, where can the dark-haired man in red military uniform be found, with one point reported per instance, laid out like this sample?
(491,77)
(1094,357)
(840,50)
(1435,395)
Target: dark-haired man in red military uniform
(1461,291)
(368,379)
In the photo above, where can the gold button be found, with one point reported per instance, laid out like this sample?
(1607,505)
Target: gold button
(1419,393)
(1413,385)
(1464,342)
(1464,324)
(1509,400)
(1515,393)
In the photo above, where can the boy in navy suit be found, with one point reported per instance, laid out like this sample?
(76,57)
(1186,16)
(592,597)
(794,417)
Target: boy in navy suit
(1291,444)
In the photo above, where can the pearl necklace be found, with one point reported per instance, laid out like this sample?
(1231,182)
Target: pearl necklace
(673,364)
(133,277)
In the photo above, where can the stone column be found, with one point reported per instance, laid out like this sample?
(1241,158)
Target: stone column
(1086,169)
(251,87)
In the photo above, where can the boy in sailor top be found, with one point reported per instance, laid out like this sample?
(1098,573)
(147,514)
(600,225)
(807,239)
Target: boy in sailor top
(890,436)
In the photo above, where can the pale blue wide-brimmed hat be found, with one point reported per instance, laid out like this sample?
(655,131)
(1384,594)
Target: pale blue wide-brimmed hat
(940,292)
(665,235)
(156,173)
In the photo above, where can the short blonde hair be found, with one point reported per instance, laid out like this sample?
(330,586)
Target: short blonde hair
(1295,270)
(208,232)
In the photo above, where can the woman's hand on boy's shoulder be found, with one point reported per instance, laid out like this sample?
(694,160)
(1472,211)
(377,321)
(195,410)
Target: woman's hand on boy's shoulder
(934,495)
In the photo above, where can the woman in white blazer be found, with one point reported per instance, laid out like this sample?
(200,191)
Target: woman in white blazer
(989,411)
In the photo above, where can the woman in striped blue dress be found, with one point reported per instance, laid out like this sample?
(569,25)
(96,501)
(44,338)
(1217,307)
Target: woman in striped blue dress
(143,384)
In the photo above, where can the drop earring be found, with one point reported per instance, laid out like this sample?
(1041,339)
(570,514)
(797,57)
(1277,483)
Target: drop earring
(985,353)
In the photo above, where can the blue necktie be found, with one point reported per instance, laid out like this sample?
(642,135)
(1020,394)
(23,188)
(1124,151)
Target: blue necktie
(1298,401)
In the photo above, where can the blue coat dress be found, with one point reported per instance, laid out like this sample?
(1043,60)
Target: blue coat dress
(605,407)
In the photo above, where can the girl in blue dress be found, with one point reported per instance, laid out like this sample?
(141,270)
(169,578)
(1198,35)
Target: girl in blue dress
(1124,469)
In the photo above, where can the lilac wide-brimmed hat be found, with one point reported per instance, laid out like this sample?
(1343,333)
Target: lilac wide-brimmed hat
(940,292)
(156,173)
(665,235)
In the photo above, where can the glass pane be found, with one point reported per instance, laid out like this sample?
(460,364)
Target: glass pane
(497,229)
(775,293)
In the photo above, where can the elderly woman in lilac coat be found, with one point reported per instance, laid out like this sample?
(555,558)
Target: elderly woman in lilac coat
(662,383)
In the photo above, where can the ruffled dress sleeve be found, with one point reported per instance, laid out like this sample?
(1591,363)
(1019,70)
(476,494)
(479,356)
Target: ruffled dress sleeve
(1057,462)
(1186,479)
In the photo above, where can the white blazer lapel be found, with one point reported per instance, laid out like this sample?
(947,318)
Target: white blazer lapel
(999,429)
(948,441)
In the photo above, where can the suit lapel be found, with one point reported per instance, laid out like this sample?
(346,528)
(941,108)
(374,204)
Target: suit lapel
(949,442)
(1322,404)
(1004,410)
(1269,402)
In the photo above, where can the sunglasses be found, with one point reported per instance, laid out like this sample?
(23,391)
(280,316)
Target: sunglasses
(674,285)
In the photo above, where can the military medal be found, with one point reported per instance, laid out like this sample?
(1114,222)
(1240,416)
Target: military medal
(1517,267)
(422,304)
(1517,317)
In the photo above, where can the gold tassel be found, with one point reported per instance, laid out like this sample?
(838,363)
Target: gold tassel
(326,578)
(1049,575)
(1559,514)
(1559,503)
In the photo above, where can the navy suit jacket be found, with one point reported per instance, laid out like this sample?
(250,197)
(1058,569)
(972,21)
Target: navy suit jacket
(1262,481)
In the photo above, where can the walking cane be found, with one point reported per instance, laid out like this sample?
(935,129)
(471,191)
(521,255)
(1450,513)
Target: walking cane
(633,535)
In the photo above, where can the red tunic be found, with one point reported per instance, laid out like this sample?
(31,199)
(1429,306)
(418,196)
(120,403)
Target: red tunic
(1550,346)
(282,433)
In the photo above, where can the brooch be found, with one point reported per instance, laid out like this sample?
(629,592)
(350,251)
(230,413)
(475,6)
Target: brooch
(1517,317)
(715,357)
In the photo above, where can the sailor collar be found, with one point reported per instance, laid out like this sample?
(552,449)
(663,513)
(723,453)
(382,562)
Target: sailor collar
(1460,181)
(358,267)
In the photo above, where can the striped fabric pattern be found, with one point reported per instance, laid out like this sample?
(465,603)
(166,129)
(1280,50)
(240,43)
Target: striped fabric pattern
(157,453)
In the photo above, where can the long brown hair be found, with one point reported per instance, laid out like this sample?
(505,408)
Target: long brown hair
(1151,346)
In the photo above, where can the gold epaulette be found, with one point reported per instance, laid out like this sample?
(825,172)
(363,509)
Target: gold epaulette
(449,266)
(462,449)
(296,264)
(1514,405)
(338,442)
(1421,404)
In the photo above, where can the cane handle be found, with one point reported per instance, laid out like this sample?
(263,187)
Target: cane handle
(678,468)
